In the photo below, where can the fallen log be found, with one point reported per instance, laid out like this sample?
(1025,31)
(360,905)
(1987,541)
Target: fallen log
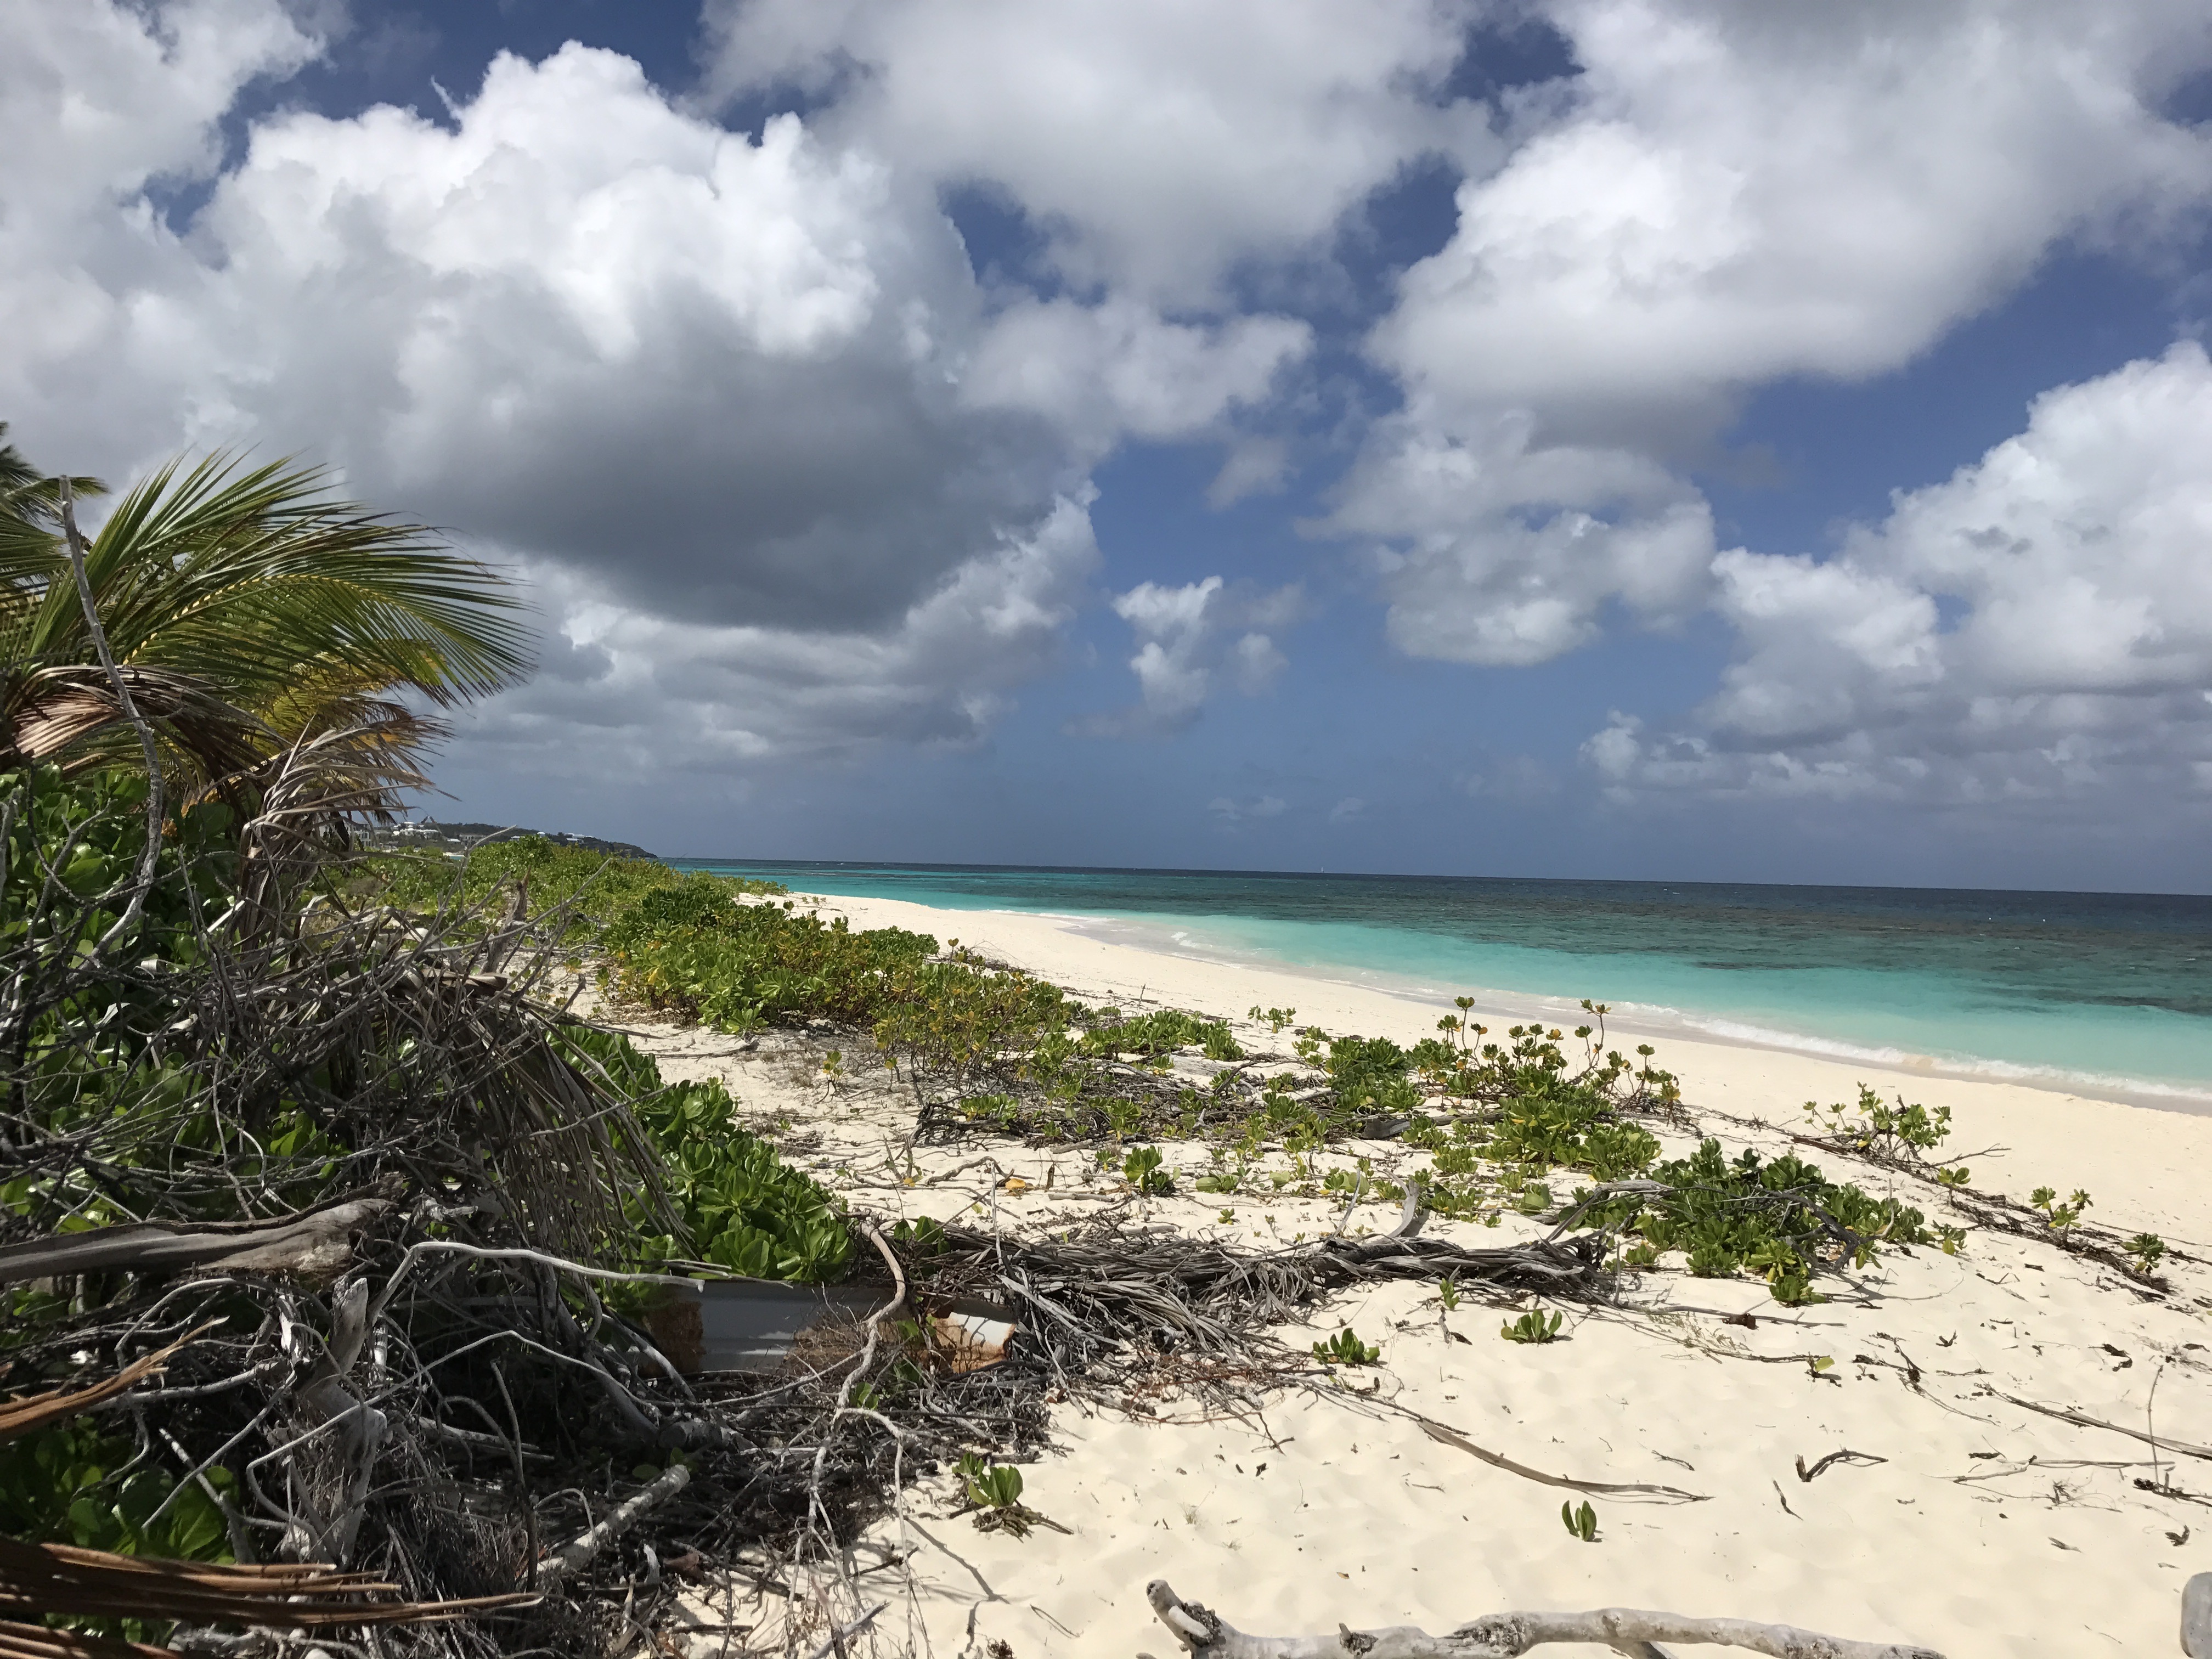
(1506,1635)
(316,1244)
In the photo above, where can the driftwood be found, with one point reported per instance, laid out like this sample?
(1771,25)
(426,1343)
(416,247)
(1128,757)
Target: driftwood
(1505,1635)
(2196,1617)
(315,1244)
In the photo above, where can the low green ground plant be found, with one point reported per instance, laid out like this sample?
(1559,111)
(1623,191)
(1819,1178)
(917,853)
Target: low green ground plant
(2146,1251)
(1142,1170)
(1781,1218)
(1345,1348)
(1532,1326)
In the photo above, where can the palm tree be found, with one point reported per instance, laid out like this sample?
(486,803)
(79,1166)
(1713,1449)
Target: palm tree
(248,609)
(27,496)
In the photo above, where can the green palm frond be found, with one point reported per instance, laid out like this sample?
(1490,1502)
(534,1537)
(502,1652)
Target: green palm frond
(30,510)
(256,579)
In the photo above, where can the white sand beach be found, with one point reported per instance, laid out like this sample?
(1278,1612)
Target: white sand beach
(1965,1521)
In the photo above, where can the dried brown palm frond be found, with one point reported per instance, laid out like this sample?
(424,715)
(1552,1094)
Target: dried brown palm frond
(39,1579)
(27,1416)
(304,800)
(38,1641)
(69,713)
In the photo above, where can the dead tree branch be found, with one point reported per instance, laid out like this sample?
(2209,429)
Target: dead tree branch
(1505,1634)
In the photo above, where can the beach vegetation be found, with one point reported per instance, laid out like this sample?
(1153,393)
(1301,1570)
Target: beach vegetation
(1873,1128)
(1532,1326)
(1345,1348)
(1276,1019)
(1581,1522)
(2061,1219)
(1142,1170)
(743,1210)
(2146,1251)
(1779,1218)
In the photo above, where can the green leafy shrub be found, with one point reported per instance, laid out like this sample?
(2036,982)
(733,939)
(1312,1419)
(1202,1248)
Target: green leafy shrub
(1345,1348)
(2061,1219)
(1532,1326)
(1141,1169)
(1871,1126)
(747,1210)
(2146,1250)
(1780,1218)
(1154,1036)
(694,950)
(596,886)
(75,1482)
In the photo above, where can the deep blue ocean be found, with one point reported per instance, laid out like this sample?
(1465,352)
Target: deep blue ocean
(2109,991)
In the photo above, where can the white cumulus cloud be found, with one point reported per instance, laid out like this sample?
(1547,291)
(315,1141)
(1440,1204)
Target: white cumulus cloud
(2039,625)
(1156,143)
(1728,193)
(1184,642)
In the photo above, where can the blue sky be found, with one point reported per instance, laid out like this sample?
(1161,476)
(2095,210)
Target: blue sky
(1708,440)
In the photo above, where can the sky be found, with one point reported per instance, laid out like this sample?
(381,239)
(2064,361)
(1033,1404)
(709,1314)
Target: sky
(1717,440)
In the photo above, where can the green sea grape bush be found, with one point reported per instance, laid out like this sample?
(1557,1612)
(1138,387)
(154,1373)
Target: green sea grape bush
(1780,1218)
(944,1026)
(696,951)
(746,1210)
(596,886)
(1345,1348)
(1873,1128)
(1155,1035)
(1532,1326)
(1142,1170)
(2061,1219)
(79,1483)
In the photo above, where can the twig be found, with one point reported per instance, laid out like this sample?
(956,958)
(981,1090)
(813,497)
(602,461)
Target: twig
(838,1633)
(407,1262)
(580,1552)
(2065,1416)
(1844,1456)
(1439,1432)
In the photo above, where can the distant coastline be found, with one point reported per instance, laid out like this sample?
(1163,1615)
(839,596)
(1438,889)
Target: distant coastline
(429,834)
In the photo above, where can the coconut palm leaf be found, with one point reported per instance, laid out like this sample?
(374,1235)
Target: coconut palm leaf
(30,506)
(70,713)
(261,580)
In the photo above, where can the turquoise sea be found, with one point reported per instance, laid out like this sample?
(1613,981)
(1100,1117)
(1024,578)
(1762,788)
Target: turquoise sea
(2108,992)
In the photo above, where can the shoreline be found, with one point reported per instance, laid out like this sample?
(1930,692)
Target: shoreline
(1655,1022)
(2144,1157)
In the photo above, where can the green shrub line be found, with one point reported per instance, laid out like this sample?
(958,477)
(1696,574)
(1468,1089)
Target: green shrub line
(998,1051)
